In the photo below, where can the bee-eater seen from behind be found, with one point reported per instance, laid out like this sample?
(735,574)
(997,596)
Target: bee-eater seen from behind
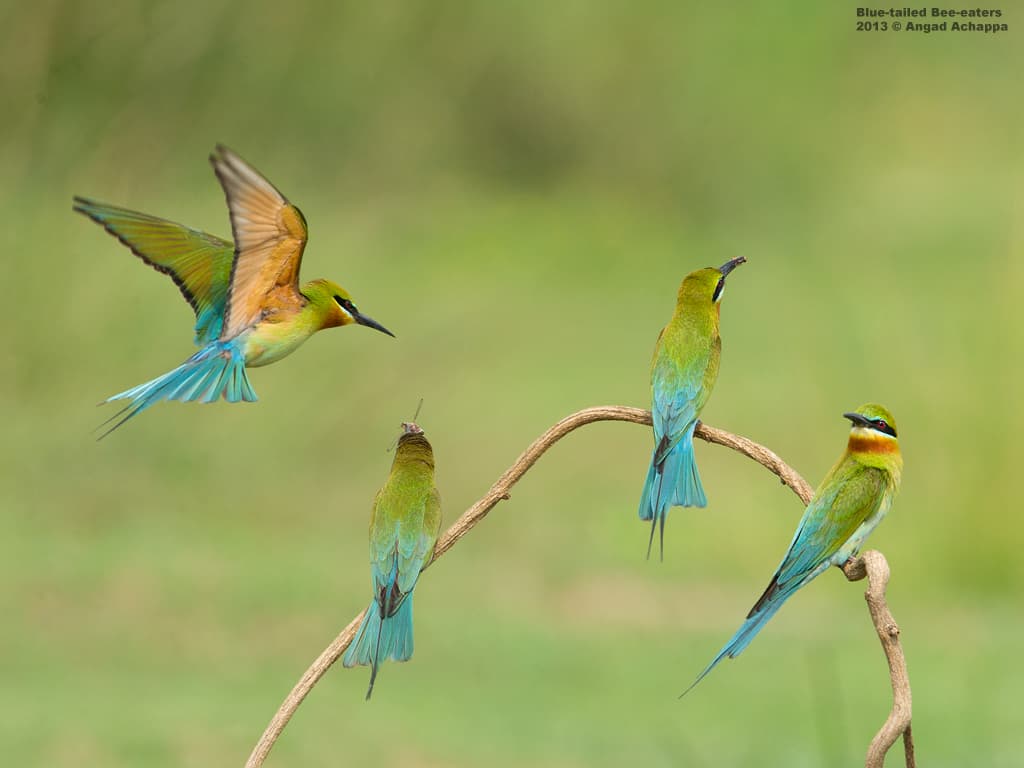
(683,374)
(404,524)
(250,309)
(852,499)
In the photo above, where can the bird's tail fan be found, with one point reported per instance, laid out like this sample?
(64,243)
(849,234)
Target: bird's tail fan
(672,480)
(215,371)
(378,640)
(687,491)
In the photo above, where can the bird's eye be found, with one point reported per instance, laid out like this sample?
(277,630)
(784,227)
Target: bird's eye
(883,426)
(718,288)
(345,304)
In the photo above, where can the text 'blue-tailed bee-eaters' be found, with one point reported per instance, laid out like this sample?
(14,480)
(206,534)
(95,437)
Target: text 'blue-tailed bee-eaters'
(852,499)
(683,374)
(250,309)
(404,524)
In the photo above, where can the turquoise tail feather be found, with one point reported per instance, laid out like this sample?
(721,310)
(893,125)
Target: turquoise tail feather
(672,480)
(377,640)
(215,371)
(756,619)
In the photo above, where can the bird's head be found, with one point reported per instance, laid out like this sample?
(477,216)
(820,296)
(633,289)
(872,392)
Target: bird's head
(337,307)
(706,286)
(413,446)
(872,418)
(873,437)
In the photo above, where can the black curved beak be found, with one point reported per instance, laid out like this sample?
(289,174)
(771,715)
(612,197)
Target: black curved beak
(857,420)
(369,322)
(731,264)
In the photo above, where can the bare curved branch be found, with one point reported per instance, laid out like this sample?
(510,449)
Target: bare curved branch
(528,458)
(874,565)
(500,491)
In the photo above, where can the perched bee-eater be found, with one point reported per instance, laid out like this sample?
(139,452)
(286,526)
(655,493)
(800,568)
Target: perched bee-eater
(404,524)
(683,374)
(852,499)
(250,309)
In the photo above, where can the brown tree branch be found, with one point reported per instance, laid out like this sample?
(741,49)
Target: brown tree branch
(874,565)
(899,719)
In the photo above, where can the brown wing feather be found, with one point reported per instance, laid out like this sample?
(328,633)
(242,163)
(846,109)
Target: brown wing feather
(270,236)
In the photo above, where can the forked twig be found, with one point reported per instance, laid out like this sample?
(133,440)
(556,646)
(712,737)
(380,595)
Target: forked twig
(870,563)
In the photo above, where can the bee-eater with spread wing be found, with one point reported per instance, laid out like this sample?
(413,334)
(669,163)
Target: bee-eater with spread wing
(250,309)
(403,531)
(852,499)
(683,374)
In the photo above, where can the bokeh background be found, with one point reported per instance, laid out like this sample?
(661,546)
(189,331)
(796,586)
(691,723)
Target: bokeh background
(516,190)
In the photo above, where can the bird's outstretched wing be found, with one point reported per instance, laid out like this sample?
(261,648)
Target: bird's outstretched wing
(270,235)
(198,263)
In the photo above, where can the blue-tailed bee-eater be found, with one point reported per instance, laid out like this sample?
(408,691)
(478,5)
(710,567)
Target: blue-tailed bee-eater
(683,373)
(250,308)
(404,524)
(852,499)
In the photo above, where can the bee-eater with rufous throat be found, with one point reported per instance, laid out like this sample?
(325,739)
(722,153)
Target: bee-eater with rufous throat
(404,525)
(683,373)
(250,309)
(852,499)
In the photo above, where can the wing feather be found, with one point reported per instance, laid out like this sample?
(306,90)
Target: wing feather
(198,263)
(270,235)
(416,551)
(679,393)
(846,500)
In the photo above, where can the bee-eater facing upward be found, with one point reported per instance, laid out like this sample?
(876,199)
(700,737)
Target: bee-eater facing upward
(852,499)
(404,524)
(250,309)
(683,374)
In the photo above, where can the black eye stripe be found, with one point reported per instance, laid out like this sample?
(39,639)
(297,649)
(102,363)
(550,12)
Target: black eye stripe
(718,288)
(883,426)
(345,303)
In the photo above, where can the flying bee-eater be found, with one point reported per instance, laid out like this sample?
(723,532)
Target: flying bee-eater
(404,524)
(250,309)
(683,373)
(852,499)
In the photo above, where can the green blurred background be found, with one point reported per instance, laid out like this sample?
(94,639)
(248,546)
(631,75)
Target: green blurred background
(516,190)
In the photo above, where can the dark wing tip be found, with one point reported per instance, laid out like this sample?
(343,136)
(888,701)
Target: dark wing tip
(216,157)
(87,209)
(768,594)
(226,156)
(82,204)
(221,156)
